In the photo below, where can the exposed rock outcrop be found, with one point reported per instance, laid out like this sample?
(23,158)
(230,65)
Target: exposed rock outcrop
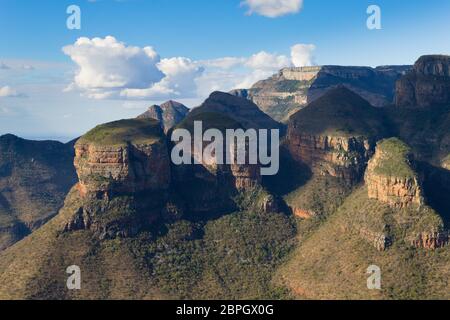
(427,84)
(341,157)
(381,241)
(122,168)
(291,89)
(390,177)
(215,184)
(335,134)
(169,114)
(124,176)
(431,240)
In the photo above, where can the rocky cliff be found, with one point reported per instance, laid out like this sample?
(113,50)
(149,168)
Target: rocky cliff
(335,134)
(291,89)
(390,176)
(124,175)
(215,184)
(169,114)
(427,84)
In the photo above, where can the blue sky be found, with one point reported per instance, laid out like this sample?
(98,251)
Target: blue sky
(45,98)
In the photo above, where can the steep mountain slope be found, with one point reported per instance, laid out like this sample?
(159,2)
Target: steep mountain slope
(388,225)
(336,134)
(128,230)
(291,89)
(427,84)
(241,110)
(169,114)
(35,176)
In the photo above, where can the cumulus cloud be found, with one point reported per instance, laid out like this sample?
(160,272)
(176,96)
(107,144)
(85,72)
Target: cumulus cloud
(8,92)
(273,8)
(106,65)
(109,69)
(302,55)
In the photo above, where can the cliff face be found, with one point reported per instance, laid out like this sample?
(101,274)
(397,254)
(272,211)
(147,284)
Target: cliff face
(390,177)
(124,168)
(427,84)
(169,114)
(124,175)
(341,157)
(291,89)
(213,184)
(335,134)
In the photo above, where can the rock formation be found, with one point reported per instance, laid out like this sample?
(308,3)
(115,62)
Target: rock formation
(124,175)
(291,89)
(427,84)
(169,114)
(390,177)
(335,134)
(431,240)
(216,184)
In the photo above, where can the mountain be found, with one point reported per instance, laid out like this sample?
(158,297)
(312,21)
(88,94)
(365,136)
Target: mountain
(169,114)
(427,84)
(241,110)
(128,227)
(291,89)
(35,176)
(360,188)
(385,222)
(336,134)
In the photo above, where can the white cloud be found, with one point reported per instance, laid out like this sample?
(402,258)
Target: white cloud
(109,69)
(8,92)
(109,65)
(302,55)
(273,8)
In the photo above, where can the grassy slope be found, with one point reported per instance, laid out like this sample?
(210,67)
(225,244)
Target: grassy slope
(136,131)
(395,159)
(331,261)
(233,256)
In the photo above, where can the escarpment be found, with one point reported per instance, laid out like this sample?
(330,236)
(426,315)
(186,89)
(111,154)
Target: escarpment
(427,84)
(291,89)
(214,183)
(335,134)
(124,176)
(390,176)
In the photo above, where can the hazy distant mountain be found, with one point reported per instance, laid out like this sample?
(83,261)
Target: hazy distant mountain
(35,176)
(169,114)
(291,89)
(358,186)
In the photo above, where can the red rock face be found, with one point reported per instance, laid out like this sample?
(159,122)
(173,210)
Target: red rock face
(127,168)
(398,192)
(341,157)
(431,240)
(428,84)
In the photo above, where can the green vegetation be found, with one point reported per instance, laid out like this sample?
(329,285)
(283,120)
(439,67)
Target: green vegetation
(122,132)
(35,176)
(331,261)
(233,256)
(340,112)
(395,159)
